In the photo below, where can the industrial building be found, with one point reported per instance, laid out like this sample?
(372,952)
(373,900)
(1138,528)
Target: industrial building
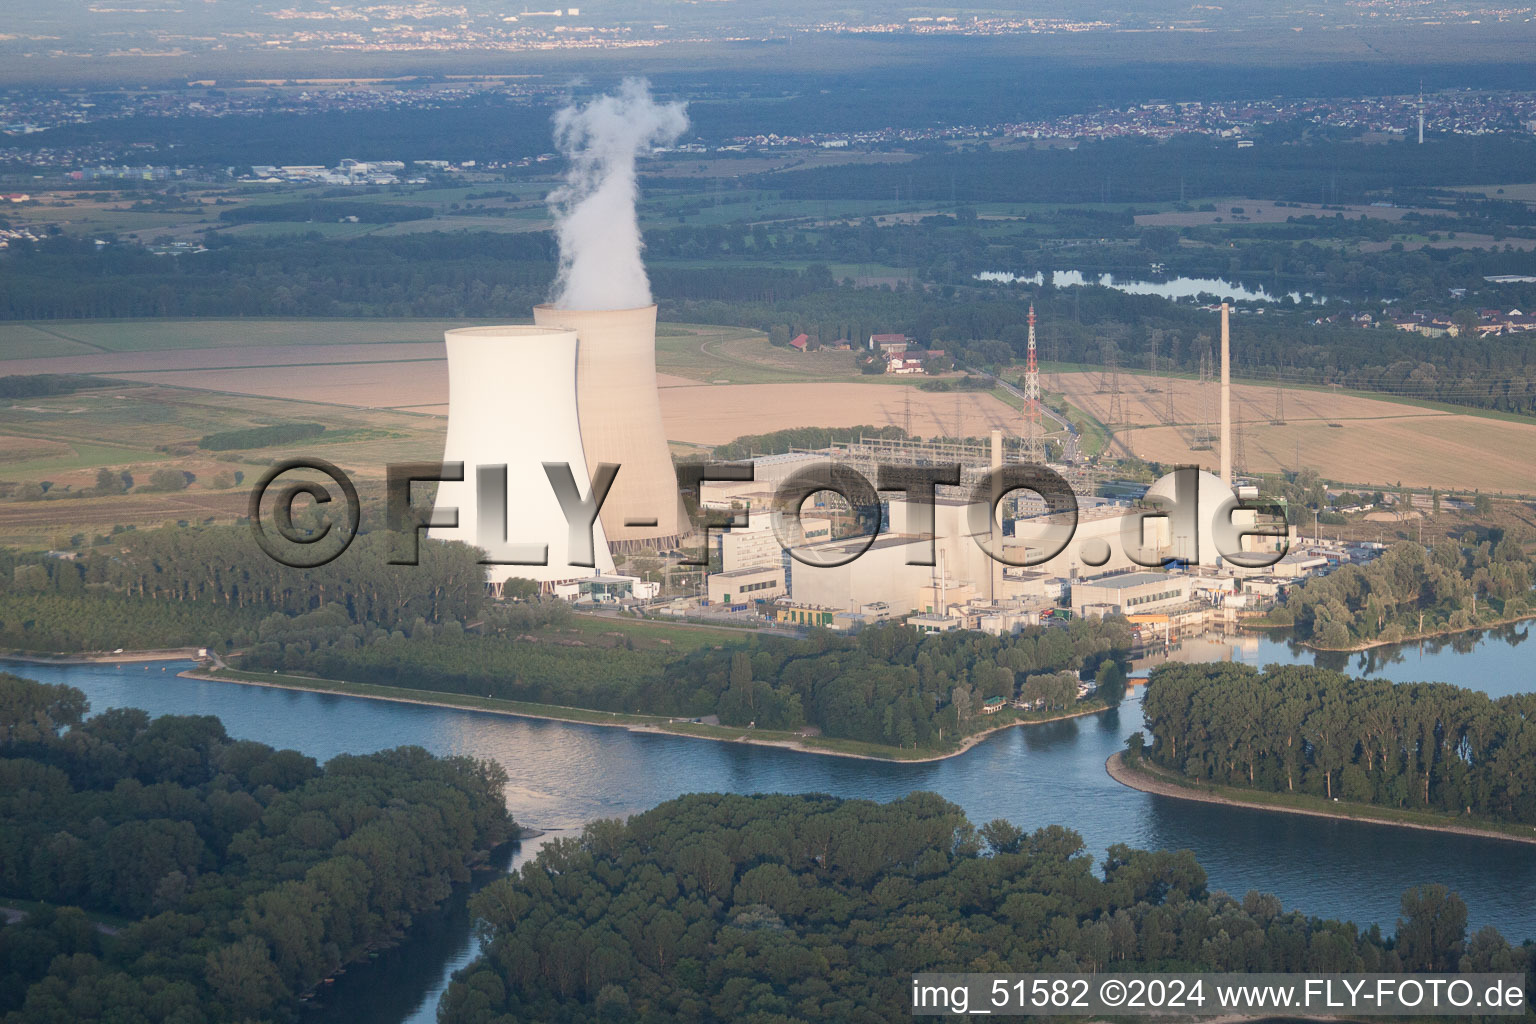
(1131,593)
(752,583)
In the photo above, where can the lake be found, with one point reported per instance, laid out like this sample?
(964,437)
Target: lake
(1168,288)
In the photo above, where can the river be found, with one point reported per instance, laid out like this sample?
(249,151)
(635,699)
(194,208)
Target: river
(563,775)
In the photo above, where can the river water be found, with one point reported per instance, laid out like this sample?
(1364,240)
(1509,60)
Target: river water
(563,775)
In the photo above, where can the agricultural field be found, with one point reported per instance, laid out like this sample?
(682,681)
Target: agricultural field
(133,429)
(705,414)
(1346,437)
(21,340)
(379,387)
(1261,211)
(736,355)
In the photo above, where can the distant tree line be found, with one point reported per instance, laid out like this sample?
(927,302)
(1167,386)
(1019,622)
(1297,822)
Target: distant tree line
(41,385)
(780,441)
(239,876)
(489,274)
(259,437)
(806,909)
(1425,746)
(1184,167)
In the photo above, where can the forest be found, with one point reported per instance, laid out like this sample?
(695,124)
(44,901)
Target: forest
(429,627)
(1184,167)
(790,909)
(889,685)
(213,587)
(174,875)
(1411,591)
(1299,729)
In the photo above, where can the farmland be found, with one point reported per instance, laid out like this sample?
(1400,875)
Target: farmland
(1345,437)
(380,387)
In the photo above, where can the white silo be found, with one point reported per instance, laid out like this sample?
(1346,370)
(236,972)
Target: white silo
(621,422)
(512,404)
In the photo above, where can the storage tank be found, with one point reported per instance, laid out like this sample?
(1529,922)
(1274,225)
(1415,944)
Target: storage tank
(620,413)
(512,402)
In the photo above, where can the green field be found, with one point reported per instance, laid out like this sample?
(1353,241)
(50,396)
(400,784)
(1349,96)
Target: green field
(23,340)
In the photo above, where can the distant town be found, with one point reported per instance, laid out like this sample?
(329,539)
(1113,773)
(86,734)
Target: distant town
(25,114)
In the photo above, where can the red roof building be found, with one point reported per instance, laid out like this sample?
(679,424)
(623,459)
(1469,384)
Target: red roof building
(799,342)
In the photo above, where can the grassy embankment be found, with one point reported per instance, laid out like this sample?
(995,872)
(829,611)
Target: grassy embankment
(1150,778)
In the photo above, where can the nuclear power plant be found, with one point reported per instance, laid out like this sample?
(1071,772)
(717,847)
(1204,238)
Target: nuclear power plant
(577,394)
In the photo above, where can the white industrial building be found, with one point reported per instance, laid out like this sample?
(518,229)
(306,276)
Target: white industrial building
(752,583)
(1131,593)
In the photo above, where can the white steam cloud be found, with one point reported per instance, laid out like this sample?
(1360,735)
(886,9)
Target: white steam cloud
(595,223)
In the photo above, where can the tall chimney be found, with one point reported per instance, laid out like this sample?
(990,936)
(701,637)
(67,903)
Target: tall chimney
(1226,395)
(995,566)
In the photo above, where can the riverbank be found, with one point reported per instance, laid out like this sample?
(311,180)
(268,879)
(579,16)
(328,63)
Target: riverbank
(104,657)
(1149,778)
(829,747)
(1368,645)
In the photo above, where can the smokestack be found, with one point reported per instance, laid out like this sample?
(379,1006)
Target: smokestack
(1226,395)
(995,570)
(620,412)
(512,404)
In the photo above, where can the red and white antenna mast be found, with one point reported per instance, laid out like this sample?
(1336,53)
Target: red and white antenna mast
(1034,442)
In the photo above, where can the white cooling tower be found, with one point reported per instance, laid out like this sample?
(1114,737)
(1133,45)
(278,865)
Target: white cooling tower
(512,403)
(621,422)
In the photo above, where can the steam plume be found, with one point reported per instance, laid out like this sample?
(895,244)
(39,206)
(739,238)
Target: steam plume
(595,223)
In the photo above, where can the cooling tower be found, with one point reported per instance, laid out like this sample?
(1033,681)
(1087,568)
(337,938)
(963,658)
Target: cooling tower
(512,403)
(621,422)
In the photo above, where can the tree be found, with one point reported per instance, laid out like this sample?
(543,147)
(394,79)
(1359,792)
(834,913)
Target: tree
(1110,680)
(108,481)
(243,976)
(166,480)
(1002,836)
(1433,929)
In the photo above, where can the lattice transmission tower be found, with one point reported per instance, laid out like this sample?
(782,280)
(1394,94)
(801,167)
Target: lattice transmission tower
(1112,374)
(1239,445)
(1205,432)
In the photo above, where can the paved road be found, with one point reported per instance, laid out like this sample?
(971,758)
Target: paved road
(1070,455)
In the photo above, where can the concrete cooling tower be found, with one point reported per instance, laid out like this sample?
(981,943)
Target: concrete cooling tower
(621,422)
(512,403)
